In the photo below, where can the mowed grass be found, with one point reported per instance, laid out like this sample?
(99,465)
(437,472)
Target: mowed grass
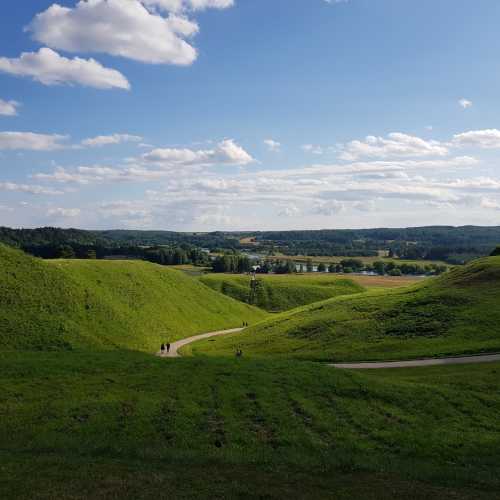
(457,313)
(282,292)
(74,304)
(128,425)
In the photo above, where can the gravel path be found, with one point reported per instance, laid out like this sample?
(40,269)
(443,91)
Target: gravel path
(480,358)
(175,346)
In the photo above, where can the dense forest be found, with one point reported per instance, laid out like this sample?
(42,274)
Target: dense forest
(454,245)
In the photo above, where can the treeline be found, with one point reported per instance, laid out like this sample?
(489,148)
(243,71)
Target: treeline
(238,264)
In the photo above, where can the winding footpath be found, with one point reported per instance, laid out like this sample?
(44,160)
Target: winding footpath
(175,346)
(462,360)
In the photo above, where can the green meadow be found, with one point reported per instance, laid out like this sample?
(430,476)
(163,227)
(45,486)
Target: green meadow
(88,412)
(90,304)
(282,292)
(457,313)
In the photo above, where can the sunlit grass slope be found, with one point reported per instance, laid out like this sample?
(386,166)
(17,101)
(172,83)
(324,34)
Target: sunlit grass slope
(282,292)
(126,424)
(105,304)
(456,313)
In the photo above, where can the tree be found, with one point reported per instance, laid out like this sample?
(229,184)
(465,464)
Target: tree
(321,268)
(91,254)
(395,272)
(309,266)
(332,268)
(65,252)
(496,251)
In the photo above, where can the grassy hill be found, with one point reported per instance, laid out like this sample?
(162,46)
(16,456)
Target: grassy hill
(454,314)
(105,304)
(282,292)
(128,425)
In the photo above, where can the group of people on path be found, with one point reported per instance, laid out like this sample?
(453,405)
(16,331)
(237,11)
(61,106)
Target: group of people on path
(165,346)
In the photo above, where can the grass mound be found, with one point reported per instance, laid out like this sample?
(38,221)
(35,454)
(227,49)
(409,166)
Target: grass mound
(122,421)
(281,293)
(105,304)
(457,313)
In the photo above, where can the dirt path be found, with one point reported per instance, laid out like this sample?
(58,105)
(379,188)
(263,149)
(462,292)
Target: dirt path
(480,358)
(175,346)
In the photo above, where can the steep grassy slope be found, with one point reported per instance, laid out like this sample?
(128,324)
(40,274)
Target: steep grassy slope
(281,293)
(125,425)
(454,314)
(100,304)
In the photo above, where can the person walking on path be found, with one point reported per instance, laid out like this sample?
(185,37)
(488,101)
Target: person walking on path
(168,347)
(162,349)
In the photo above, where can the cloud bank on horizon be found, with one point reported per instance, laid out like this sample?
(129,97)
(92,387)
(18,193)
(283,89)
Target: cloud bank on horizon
(225,126)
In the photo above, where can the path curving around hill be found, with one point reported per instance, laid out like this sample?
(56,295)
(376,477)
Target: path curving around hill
(175,346)
(377,365)
(461,360)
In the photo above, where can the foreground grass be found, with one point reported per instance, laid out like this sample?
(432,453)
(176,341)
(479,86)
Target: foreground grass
(282,292)
(67,304)
(457,313)
(126,425)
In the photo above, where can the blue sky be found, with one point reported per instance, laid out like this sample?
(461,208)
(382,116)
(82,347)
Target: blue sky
(249,114)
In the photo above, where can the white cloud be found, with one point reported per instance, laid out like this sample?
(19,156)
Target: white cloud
(48,67)
(272,145)
(490,204)
(226,152)
(127,29)
(8,108)
(63,212)
(328,208)
(465,103)
(396,145)
(31,141)
(28,188)
(105,140)
(181,5)
(311,148)
(485,139)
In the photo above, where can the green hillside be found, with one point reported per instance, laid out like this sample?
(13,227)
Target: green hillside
(456,313)
(282,292)
(105,304)
(126,425)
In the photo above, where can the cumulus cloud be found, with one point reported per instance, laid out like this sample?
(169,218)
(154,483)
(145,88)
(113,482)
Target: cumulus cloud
(106,140)
(28,188)
(485,139)
(127,29)
(63,212)
(31,141)
(48,67)
(272,145)
(328,208)
(8,108)
(490,204)
(182,5)
(396,145)
(226,152)
(311,148)
(465,103)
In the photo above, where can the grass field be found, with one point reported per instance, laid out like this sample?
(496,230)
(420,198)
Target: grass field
(128,425)
(282,292)
(457,313)
(105,304)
